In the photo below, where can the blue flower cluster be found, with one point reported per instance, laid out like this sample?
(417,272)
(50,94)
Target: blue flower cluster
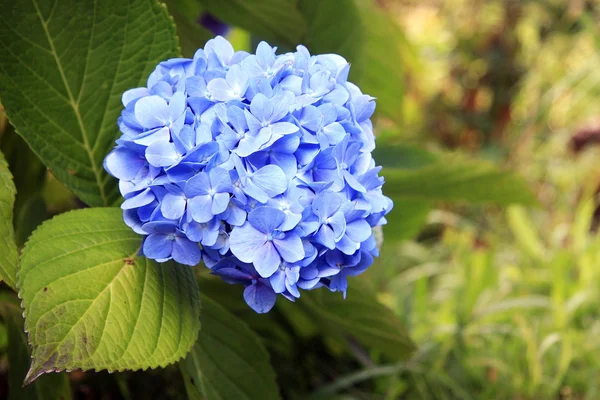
(260,165)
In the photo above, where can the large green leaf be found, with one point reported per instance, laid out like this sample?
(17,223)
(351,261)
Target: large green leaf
(228,361)
(91,303)
(50,387)
(360,315)
(279,21)
(192,36)
(8,248)
(343,37)
(457,178)
(379,71)
(63,69)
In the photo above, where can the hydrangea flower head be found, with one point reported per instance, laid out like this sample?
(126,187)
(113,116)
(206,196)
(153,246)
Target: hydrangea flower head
(258,164)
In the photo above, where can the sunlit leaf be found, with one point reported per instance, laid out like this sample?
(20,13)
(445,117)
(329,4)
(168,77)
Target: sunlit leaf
(8,248)
(91,303)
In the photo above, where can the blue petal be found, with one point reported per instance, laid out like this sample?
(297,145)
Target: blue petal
(338,223)
(220,181)
(177,105)
(186,252)
(198,185)
(139,200)
(265,55)
(154,135)
(152,112)
(173,206)
(220,90)
(261,108)
(266,219)
(158,246)
(232,275)
(283,128)
(266,260)
(200,208)
(358,230)
(244,240)
(123,163)
(271,179)
(162,154)
(219,203)
(133,94)
(326,204)
(260,298)
(290,248)
(326,237)
(277,281)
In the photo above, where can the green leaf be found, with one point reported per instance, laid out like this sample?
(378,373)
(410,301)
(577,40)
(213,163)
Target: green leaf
(228,361)
(91,303)
(379,71)
(278,21)
(63,69)
(343,37)
(49,387)
(406,219)
(28,171)
(8,248)
(456,178)
(360,315)
(29,216)
(402,155)
(191,35)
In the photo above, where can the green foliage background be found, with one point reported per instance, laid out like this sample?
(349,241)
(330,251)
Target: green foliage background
(486,287)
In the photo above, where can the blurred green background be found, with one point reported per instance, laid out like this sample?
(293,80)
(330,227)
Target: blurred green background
(502,300)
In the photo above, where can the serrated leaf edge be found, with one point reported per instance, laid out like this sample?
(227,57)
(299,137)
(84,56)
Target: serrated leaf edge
(33,375)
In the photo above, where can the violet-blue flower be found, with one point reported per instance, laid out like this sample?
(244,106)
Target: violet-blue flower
(258,164)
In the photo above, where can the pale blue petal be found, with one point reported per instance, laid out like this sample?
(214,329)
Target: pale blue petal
(124,163)
(290,248)
(338,223)
(155,135)
(139,200)
(358,230)
(326,237)
(133,94)
(271,179)
(152,112)
(219,203)
(261,108)
(220,181)
(244,240)
(266,260)
(220,90)
(200,208)
(283,128)
(173,206)
(162,154)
